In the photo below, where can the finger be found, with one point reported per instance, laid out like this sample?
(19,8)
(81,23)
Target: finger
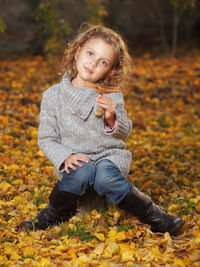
(105,99)
(98,98)
(105,104)
(102,100)
(66,170)
(78,157)
(77,163)
(108,107)
(82,158)
(72,166)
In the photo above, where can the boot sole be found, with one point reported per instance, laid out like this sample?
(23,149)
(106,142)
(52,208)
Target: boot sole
(174,231)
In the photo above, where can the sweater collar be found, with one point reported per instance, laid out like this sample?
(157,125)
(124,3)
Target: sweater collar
(79,100)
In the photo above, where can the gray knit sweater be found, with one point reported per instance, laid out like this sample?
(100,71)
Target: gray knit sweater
(68,125)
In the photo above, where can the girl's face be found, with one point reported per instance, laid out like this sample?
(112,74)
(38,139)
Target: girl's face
(93,61)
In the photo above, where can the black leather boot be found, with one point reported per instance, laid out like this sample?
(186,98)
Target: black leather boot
(62,206)
(146,211)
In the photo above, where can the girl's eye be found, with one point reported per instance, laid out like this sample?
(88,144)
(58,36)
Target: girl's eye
(90,53)
(104,63)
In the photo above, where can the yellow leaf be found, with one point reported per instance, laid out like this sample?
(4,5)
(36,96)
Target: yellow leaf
(179,262)
(94,212)
(127,255)
(62,248)
(27,261)
(14,167)
(45,262)
(99,249)
(116,216)
(98,216)
(42,206)
(39,153)
(12,254)
(84,259)
(35,235)
(196,233)
(187,261)
(148,257)
(72,226)
(34,133)
(110,250)
(4,186)
(155,250)
(112,235)
(194,200)
(100,236)
(126,252)
(4,203)
(198,207)
(121,236)
(195,257)
(28,251)
(138,234)
(15,256)
(167,239)
(75,220)
(194,242)
(12,213)
(172,207)
(3,259)
(18,182)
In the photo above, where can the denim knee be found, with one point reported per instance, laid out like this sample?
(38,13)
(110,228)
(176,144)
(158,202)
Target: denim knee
(110,182)
(78,180)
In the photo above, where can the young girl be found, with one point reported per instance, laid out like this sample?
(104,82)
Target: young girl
(87,149)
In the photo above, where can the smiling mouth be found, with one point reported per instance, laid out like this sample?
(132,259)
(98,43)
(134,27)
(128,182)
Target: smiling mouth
(88,70)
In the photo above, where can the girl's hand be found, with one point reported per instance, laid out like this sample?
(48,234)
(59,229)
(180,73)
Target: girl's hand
(74,159)
(109,107)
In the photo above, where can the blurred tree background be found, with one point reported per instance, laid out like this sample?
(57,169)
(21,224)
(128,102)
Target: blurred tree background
(43,27)
(162,100)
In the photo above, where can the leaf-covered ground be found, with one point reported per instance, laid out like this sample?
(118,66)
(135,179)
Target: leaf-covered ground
(164,104)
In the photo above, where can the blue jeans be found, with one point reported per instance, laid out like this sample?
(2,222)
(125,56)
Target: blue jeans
(105,177)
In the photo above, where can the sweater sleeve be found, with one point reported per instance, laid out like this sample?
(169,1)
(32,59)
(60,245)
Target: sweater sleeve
(49,139)
(123,125)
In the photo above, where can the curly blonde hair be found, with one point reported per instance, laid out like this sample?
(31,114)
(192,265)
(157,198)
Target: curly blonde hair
(121,68)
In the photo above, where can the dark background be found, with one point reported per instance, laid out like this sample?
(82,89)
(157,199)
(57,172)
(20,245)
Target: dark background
(146,25)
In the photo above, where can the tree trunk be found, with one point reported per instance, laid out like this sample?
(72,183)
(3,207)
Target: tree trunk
(90,201)
(161,26)
(175,33)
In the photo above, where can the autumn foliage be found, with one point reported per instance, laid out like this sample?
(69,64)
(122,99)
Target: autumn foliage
(164,105)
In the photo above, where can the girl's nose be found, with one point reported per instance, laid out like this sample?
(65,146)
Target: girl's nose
(93,62)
